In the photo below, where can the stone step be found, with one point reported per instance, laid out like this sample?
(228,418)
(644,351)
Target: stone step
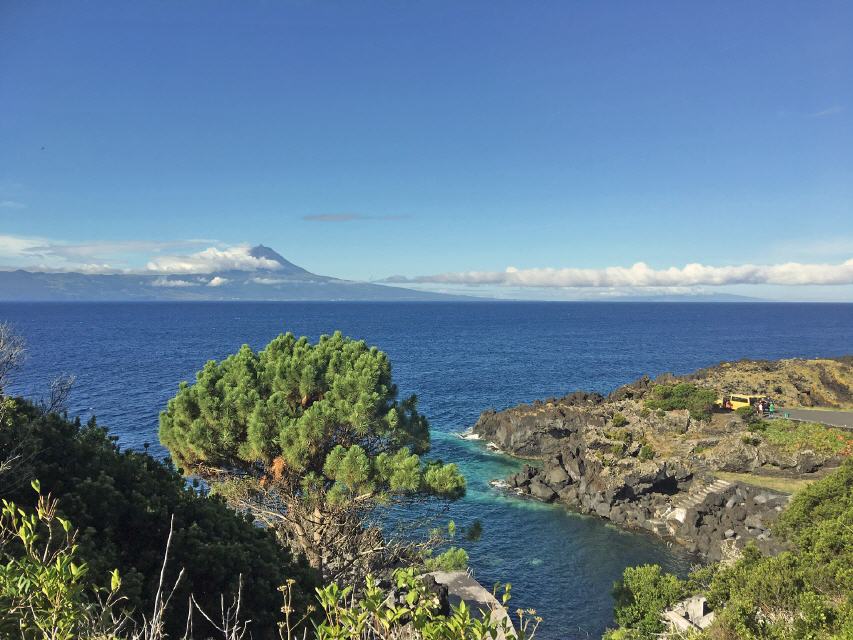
(696,497)
(657,526)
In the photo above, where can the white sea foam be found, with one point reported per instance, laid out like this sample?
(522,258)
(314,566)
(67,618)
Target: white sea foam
(469,435)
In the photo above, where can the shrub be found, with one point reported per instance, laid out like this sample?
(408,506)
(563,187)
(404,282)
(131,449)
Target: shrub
(805,592)
(43,591)
(641,595)
(617,449)
(792,436)
(828,499)
(699,401)
(623,436)
(619,420)
(454,559)
(644,412)
(646,452)
(745,412)
(414,614)
(122,503)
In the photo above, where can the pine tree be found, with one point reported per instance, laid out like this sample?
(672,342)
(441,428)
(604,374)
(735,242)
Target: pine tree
(309,438)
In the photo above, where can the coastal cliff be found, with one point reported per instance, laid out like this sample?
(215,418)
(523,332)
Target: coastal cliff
(705,481)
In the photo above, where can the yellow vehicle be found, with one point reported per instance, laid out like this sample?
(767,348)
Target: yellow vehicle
(734,401)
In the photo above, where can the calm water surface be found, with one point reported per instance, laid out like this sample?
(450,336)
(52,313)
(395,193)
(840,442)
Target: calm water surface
(460,358)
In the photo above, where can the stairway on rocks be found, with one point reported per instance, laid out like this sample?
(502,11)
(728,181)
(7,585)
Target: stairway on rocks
(675,514)
(696,497)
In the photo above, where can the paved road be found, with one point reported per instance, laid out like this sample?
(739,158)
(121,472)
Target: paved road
(843,419)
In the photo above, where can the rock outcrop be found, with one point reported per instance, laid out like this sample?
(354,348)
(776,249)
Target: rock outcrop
(651,470)
(663,497)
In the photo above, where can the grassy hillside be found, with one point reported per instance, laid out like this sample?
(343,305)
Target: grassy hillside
(793,382)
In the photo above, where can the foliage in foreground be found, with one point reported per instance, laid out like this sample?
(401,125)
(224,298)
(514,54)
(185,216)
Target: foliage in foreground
(44,596)
(309,438)
(43,591)
(122,503)
(699,401)
(806,592)
(414,614)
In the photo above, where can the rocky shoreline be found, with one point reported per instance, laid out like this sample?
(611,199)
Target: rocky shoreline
(709,517)
(653,471)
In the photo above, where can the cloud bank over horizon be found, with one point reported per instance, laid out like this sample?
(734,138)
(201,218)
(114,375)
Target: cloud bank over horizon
(194,268)
(641,275)
(116,257)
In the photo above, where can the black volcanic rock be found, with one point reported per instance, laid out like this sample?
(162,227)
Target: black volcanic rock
(654,471)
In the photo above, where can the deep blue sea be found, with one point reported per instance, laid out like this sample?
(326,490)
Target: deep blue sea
(460,358)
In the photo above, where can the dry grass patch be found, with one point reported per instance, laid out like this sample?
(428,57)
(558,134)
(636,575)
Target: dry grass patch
(774,483)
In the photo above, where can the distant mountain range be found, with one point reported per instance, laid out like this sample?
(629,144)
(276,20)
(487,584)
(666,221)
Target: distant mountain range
(283,280)
(277,280)
(688,297)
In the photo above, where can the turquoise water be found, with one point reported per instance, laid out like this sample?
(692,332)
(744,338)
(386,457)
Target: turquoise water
(460,359)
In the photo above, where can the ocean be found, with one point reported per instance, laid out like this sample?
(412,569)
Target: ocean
(460,359)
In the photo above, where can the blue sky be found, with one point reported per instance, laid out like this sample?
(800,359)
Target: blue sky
(374,139)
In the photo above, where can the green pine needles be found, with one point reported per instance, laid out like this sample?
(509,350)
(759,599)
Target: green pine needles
(309,438)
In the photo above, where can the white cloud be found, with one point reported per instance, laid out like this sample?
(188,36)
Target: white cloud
(641,275)
(12,204)
(96,269)
(16,246)
(218,282)
(269,281)
(829,111)
(212,259)
(75,251)
(166,282)
(349,217)
(42,254)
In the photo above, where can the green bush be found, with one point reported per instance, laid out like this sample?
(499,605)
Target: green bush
(793,435)
(122,503)
(646,452)
(454,559)
(644,412)
(416,615)
(829,499)
(699,401)
(619,420)
(641,595)
(43,587)
(805,592)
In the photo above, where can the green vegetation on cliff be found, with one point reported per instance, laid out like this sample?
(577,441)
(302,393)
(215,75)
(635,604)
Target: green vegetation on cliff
(804,592)
(795,435)
(668,397)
